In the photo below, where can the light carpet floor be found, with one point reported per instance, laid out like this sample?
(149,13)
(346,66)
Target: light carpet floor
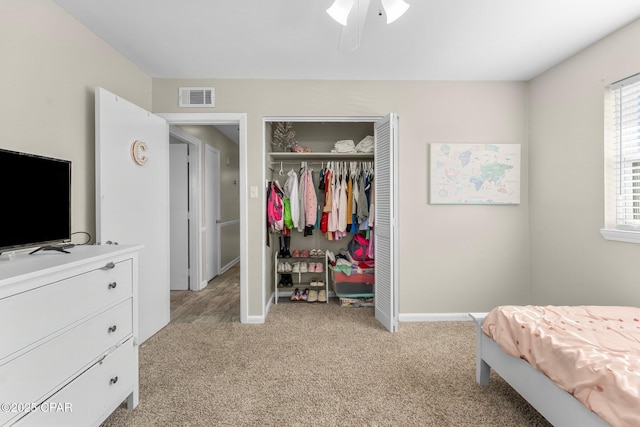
(318,365)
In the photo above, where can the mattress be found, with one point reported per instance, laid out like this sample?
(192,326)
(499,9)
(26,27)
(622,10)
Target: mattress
(592,352)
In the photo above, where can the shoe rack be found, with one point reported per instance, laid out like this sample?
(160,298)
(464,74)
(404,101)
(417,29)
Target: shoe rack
(302,278)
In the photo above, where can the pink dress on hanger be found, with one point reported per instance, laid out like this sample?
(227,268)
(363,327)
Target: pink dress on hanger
(310,201)
(342,209)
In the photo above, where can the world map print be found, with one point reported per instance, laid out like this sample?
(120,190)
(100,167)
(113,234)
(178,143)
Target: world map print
(475,173)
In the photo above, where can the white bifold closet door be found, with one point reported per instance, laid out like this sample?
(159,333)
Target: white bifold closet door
(132,198)
(386,230)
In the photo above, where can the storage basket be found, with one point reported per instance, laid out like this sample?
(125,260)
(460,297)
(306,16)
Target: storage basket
(360,283)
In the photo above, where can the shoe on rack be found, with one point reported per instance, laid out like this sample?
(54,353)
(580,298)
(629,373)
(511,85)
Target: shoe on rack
(287,242)
(281,267)
(296,267)
(304,253)
(320,253)
(295,253)
(303,267)
(319,267)
(287,267)
(322,295)
(312,267)
(332,257)
(281,251)
(313,296)
(313,253)
(314,282)
(321,283)
(296,295)
(287,280)
(304,295)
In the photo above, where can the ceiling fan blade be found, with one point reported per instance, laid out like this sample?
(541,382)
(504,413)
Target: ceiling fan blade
(352,32)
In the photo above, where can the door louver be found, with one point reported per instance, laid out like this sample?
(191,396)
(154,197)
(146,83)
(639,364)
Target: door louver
(197,97)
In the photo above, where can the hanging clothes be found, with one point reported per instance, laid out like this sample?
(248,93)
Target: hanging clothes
(362,203)
(310,200)
(349,201)
(324,220)
(372,204)
(275,216)
(291,192)
(301,191)
(319,200)
(354,206)
(342,209)
(338,200)
(333,216)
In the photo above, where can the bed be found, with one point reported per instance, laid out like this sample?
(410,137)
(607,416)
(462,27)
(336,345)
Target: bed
(578,366)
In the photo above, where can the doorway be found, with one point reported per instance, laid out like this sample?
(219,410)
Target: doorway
(211,212)
(239,120)
(185,183)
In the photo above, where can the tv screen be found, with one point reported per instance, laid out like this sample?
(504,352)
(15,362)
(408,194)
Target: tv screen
(35,200)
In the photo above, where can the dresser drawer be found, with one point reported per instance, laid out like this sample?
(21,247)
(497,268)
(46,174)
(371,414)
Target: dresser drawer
(39,371)
(90,398)
(32,315)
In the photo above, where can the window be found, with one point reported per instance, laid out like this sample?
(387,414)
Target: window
(623,142)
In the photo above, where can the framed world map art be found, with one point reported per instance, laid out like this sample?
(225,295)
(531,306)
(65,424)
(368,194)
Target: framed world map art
(474,174)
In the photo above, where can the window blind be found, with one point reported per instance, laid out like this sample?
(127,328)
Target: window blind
(626,97)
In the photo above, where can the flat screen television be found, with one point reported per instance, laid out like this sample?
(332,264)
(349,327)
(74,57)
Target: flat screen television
(35,200)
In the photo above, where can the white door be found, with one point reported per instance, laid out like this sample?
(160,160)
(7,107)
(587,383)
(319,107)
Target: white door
(386,230)
(132,199)
(179,213)
(212,211)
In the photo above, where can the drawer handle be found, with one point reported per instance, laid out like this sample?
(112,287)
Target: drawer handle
(112,328)
(113,380)
(109,266)
(112,285)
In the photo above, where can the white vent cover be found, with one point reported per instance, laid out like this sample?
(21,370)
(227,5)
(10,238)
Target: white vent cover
(197,97)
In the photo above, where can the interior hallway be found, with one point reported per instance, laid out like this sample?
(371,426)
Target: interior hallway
(218,302)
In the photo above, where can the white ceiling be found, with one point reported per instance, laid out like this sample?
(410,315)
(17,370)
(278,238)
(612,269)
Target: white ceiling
(296,39)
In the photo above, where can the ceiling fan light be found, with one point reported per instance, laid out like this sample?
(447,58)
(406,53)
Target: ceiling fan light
(394,9)
(339,10)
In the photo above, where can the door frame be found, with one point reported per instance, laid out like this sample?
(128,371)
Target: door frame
(197,282)
(266,258)
(213,192)
(239,119)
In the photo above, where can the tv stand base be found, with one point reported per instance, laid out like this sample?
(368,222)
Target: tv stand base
(61,248)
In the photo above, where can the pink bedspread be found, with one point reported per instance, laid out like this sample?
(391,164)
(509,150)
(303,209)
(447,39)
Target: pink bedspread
(593,352)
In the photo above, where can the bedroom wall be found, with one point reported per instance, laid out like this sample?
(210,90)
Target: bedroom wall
(571,263)
(50,66)
(452,258)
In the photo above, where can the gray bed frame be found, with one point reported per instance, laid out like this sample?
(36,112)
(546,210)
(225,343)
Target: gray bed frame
(559,407)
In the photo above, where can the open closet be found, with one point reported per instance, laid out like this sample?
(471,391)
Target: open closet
(345,162)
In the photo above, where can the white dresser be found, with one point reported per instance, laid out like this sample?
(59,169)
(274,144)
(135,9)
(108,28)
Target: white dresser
(68,335)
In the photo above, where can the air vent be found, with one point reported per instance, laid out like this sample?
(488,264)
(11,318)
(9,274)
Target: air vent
(197,97)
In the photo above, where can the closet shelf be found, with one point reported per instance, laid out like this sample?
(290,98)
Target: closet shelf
(281,156)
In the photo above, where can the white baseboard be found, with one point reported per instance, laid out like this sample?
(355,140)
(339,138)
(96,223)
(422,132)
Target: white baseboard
(269,304)
(255,319)
(434,317)
(229,265)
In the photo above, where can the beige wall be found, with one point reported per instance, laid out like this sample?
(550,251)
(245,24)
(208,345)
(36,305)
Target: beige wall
(570,262)
(50,66)
(452,258)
